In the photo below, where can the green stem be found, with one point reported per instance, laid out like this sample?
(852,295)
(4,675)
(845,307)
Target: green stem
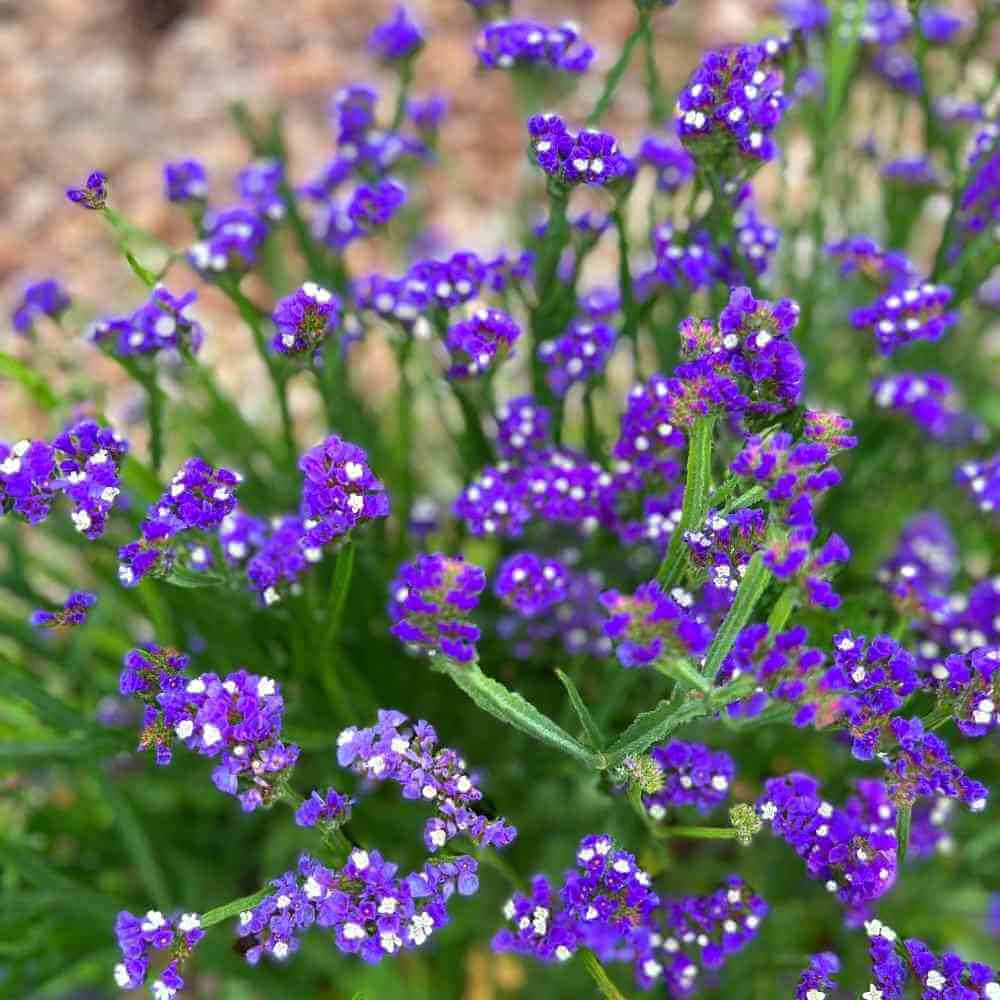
(215,916)
(617,71)
(600,976)
(154,396)
(698,832)
(696,489)
(903,816)
(782,609)
(405,79)
(630,326)
(404,443)
(654,86)
(339,587)
(684,673)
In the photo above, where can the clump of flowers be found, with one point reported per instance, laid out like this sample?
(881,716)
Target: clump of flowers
(586,157)
(398,38)
(429,604)
(817,981)
(92,194)
(304,319)
(693,775)
(523,428)
(517,44)
(930,400)
(185,180)
(476,345)
(41,298)
(981,481)
(903,315)
(530,584)
(138,937)
(73,612)
(579,353)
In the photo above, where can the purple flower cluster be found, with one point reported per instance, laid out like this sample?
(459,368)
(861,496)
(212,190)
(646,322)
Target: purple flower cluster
(587,157)
(164,322)
(185,180)
(648,436)
(429,604)
(931,402)
(259,183)
(236,720)
(523,429)
(725,544)
(409,756)
(398,38)
(139,936)
(73,612)
(41,298)
(369,206)
(198,499)
(883,268)
(916,172)
(981,481)
(530,584)
(922,565)
(92,194)
(304,318)
(649,624)
(970,684)
(82,463)
(730,106)
(281,555)
(853,856)
(817,981)
(579,353)
(693,775)
(477,344)
(231,241)
(329,809)
(673,164)
(902,315)
(516,44)
(370,910)
(922,766)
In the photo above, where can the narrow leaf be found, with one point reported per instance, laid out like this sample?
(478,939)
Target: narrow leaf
(237,906)
(50,709)
(36,384)
(590,727)
(652,726)
(510,707)
(903,817)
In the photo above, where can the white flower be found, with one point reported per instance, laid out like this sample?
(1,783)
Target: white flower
(122,978)
(360,859)
(184,729)
(420,928)
(353,931)
(153,922)
(935,981)
(210,734)
(188,922)
(161,991)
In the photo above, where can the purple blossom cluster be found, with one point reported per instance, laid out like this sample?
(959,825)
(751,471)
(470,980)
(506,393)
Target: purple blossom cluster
(198,499)
(931,401)
(40,298)
(673,164)
(259,184)
(724,545)
(185,180)
(408,755)
(73,612)
(398,38)
(855,859)
(235,720)
(650,624)
(304,319)
(693,775)
(138,937)
(479,343)
(231,241)
(586,157)
(883,268)
(370,910)
(530,584)
(429,604)
(518,44)
(370,206)
(903,315)
(970,684)
(330,809)
(523,429)
(730,106)
(164,322)
(578,354)
(92,194)
(818,980)
(921,567)
(648,436)
(82,463)
(981,481)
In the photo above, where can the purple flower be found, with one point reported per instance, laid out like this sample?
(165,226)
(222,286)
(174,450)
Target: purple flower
(138,937)
(496,502)
(579,353)
(589,157)
(724,545)
(163,322)
(332,807)
(427,113)
(73,612)
(693,775)
(185,180)
(93,194)
(900,69)
(398,38)
(476,345)
(282,556)
(375,204)
(911,171)
(304,318)
(862,255)
(886,23)
(231,241)
(515,44)
(429,604)
(260,184)
(922,566)
(408,755)
(938,25)
(523,429)
(530,584)
(673,164)
(808,16)
(650,624)
(931,401)
(42,298)
(981,481)
(818,979)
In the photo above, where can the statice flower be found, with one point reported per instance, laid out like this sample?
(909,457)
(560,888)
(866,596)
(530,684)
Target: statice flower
(260,184)
(369,206)
(408,755)
(981,481)
(185,180)
(915,172)
(429,604)
(41,298)
(398,38)
(530,584)
(971,686)
(939,25)
(947,975)
(496,502)
(331,808)
(931,402)
(541,928)
(922,766)
(138,937)
(477,344)
(650,624)
(523,428)
(92,194)
(899,68)
(231,241)
(163,322)
(808,16)
(730,106)
(339,491)
(980,201)
(579,353)
(683,259)
(693,775)
(198,499)
(427,113)
(922,566)
(587,157)
(370,910)
(757,241)
(725,544)
(648,436)
(73,612)
(887,22)
(304,318)
(673,164)
(282,556)
(862,255)
(817,981)
(511,44)
(855,859)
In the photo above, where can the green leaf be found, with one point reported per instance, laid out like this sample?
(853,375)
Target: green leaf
(237,906)
(36,384)
(590,727)
(903,816)
(842,47)
(752,586)
(510,707)
(649,727)
(147,277)
(182,576)
(338,594)
(20,684)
